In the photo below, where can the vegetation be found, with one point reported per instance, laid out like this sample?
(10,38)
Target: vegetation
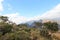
(52,26)
(12,31)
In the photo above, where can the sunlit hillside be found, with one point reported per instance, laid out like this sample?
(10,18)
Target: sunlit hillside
(39,31)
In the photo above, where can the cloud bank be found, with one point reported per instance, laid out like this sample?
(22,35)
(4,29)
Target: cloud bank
(16,18)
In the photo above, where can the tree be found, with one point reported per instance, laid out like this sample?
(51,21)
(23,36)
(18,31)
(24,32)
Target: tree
(22,35)
(38,24)
(52,26)
(45,34)
(5,28)
(23,25)
(4,18)
(8,36)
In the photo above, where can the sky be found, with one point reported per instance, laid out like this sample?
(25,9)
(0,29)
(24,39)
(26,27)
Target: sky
(20,11)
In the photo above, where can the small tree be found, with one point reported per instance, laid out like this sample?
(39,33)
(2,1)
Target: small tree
(38,24)
(5,28)
(22,35)
(51,26)
(4,18)
(44,33)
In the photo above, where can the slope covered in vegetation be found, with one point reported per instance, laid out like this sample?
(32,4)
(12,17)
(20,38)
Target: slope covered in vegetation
(12,31)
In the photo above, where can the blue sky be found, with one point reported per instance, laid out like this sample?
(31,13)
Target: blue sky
(28,8)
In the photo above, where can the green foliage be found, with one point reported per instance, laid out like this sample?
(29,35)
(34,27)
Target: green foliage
(51,26)
(38,25)
(24,32)
(44,33)
(22,35)
(4,18)
(8,36)
(5,28)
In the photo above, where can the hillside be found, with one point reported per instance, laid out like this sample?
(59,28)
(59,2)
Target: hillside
(24,31)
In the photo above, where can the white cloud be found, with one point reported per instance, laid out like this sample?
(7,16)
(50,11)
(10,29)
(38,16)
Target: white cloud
(34,18)
(54,13)
(16,18)
(1,5)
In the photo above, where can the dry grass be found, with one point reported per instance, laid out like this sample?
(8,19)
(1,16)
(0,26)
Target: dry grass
(56,35)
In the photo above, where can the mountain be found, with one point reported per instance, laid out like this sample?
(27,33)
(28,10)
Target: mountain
(32,23)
